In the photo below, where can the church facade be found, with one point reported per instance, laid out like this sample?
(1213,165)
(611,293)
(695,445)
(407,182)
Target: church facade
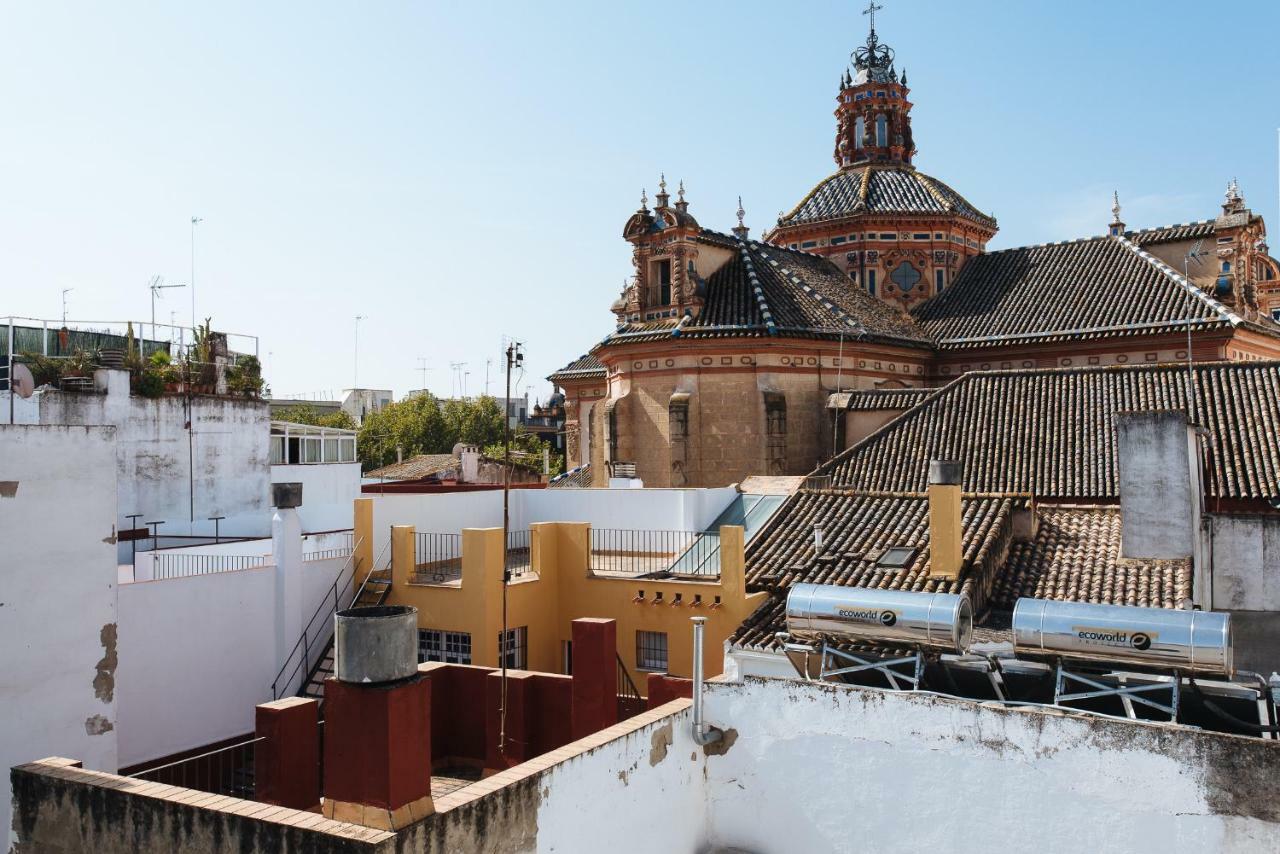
(732,357)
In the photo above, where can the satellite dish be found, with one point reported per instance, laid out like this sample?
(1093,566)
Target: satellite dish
(23,383)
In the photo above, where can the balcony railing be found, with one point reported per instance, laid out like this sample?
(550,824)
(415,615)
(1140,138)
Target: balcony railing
(224,771)
(438,558)
(635,553)
(170,565)
(519,553)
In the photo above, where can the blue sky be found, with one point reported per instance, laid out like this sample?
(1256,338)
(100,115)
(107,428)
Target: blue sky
(459,172)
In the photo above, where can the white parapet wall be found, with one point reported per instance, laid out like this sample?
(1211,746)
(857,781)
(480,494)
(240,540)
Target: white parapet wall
(328,490)
(59,680)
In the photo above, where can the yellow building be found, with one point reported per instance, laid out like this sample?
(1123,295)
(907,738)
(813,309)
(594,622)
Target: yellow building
(557,578)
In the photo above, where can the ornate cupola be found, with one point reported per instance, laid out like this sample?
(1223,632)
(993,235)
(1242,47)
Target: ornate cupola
(665,245)
(873,115)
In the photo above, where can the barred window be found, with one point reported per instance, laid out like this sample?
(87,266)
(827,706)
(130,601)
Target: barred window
(439,645)
(516,648)
(651,651)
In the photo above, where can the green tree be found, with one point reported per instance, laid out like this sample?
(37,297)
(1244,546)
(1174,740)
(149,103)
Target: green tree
(475,422)
(415,425)
(526,449)
(305,413)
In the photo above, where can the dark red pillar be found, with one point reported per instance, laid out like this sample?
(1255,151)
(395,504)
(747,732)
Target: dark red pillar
(514,744)
(662,689)
(595,675)
(286,761)
(377,752)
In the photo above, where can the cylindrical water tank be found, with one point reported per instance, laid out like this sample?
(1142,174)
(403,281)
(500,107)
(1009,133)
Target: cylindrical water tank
(939,621)
(1194,642)
(373,645)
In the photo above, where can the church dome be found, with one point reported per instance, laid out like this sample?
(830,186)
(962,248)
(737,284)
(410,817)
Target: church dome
(878,190)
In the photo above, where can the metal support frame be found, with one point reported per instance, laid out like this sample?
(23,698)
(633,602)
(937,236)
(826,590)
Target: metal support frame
(1128,694)
(897,679)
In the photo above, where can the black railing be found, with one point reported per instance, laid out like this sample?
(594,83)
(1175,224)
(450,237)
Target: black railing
(630,703)
(633,553)
(437,558)
(519,553)
(319,629)
(328,554)
(169,565)
(225,771)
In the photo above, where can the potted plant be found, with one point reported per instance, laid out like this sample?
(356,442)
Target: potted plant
(245,377)
(77,371)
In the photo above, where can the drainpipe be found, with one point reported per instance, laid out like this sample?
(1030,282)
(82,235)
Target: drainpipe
(703,732)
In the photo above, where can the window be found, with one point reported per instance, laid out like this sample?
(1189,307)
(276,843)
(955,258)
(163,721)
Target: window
(651,651)
(662,275)
(836,241)
(871,282)
(888,237)
(347,450)
(905,276)
(311,449)
(938,235)
(939,280)
(516,648)
(896,558)
(1226,266)
(277,450)
(809,244)
(330,450)
(882,131)
(439,645)
(924,236)
(859,132)
(1275,314)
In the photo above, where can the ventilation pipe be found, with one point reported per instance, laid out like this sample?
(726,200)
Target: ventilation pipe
(703,732)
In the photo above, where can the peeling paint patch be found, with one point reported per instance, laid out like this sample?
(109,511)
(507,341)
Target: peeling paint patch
(659,741)
(8,488)
(721,747)
(104,681)
(98,725)
(624,776)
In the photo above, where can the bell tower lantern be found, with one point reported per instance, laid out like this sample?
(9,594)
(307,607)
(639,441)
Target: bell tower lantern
(873,115)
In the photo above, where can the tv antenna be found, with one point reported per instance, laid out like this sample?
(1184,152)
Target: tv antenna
(156,285)
(1195,255)
(456,367)
(422,366)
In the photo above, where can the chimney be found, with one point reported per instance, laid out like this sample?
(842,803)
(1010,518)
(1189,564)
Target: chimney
(377,705)
(470,456)
(946,529)
(1159,485)
(286,551)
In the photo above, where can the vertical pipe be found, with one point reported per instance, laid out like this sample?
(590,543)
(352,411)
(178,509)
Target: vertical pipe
(703,733)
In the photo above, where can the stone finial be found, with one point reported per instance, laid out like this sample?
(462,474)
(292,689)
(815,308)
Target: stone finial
(1115,208)
(644,201)
(663,198)
(740,230)
(681,204)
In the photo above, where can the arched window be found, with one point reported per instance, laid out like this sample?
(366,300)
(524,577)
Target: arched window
(882,131)
(859,131)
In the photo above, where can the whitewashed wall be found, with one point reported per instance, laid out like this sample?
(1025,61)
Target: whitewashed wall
(1246,562)
(221,468)
(328,490)
(197,654)
(58,681)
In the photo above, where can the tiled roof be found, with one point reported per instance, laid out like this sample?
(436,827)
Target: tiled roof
(767,290)
(857,527)
(581,368)
(1172,233)
(1100,287)
(1075,557)
(579,478)
(878,399)
(880,190)
(1051,432)
(416,467)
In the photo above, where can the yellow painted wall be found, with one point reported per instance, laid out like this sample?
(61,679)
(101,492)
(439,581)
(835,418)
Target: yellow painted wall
(561,589)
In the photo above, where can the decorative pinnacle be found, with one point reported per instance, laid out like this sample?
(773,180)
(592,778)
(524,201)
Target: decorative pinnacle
(680,192)
(741,231)
(1115,208)
(644,200)
(662,182)
(741,213)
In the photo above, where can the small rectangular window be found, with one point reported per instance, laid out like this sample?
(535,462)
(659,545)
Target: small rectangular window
(439,645)
(888,237)
(938,235)
(836,241)
(793,245)
(871,282)
(277,450)
(809,244)
(330,450)
(939,280)
(924,236)
(311,449)
(516,649)
(651,651)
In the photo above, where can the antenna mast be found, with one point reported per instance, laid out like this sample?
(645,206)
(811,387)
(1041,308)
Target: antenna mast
(514,358)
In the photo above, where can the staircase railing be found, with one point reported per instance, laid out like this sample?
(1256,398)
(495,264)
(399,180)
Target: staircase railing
(630,703)
(315,635)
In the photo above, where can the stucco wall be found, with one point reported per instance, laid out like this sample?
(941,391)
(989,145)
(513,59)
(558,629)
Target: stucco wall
(221,467)
(58,683)
(198,653)
(1246,562)
(327,492)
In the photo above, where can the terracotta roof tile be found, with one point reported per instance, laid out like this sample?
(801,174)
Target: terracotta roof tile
(583,367)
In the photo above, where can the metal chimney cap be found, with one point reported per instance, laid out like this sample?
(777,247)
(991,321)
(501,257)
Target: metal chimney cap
(285,495)
(946,473)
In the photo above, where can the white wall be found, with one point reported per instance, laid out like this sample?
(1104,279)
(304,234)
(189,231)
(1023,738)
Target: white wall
(198,653)
(437,513)
(328,490)
(219,468)
(840,769)
(1246,562)
(59,682)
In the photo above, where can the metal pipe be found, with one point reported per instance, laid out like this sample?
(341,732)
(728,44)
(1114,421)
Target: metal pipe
(703,733)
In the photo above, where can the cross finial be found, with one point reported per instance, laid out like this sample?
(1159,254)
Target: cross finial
(871,10)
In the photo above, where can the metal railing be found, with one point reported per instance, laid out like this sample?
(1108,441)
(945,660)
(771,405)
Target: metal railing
(318,630)
(328,554)
(617,551)
(169,565)
(519,560)
(226,771)
(437,558)
(630,703)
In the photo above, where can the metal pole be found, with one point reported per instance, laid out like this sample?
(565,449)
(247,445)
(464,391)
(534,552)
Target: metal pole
(9,380)
(355,373)
(195,220)
(506,527)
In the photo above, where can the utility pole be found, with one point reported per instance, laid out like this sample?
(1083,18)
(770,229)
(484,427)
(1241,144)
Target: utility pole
(195,220)
(515,358)
(355,370)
